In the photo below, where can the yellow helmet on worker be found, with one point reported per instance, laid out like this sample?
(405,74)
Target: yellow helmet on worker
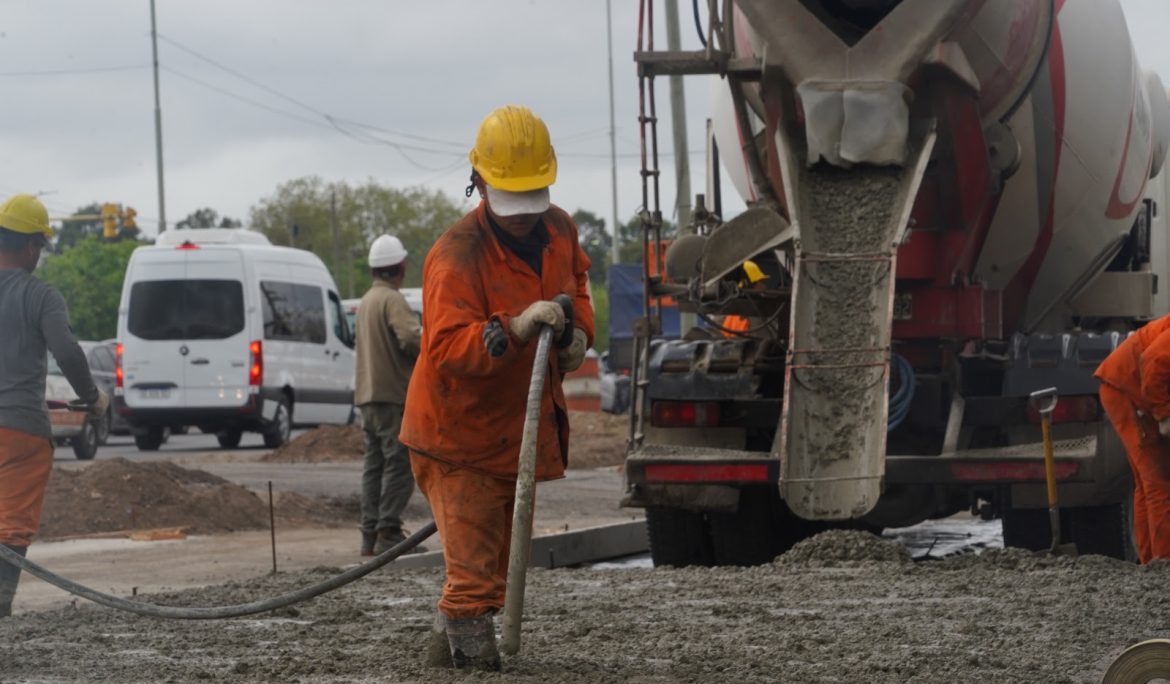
(514,155)
(26,215)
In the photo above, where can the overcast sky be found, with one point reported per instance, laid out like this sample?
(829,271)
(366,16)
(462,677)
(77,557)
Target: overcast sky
(430,69)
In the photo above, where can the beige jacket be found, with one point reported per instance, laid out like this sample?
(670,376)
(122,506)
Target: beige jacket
(388,335)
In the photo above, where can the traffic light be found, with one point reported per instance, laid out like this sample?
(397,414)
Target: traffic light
(128,222)
(109,221)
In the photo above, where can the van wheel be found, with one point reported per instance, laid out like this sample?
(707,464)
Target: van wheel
(150,440)
(279,429)
(103,427)
(85,445)
(229,439)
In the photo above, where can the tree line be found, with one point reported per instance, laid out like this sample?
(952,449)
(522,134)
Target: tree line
(335,220)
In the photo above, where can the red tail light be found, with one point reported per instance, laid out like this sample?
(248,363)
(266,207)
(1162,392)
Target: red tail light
(684,414)
(1078,409)
(188,245)
(256,368)
(119,377)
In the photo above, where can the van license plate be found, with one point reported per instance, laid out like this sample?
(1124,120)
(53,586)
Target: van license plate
(156,394)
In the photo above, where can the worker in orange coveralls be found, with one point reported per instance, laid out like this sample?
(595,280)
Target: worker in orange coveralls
(488,285)
(753,278)
(1135,392)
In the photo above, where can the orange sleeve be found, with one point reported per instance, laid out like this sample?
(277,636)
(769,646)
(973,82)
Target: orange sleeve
(1155,372)
(583,301)
(454,323)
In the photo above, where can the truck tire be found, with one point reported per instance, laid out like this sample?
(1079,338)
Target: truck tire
(678,537)
(150,440)
(85,445)
(1102,530)
(760,530)
(1027,528)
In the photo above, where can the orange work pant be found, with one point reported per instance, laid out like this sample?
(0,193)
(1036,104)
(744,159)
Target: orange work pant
(473,512)
(25,463)
(1149,459)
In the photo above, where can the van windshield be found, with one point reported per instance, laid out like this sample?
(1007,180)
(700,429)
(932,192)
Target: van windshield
(186,309)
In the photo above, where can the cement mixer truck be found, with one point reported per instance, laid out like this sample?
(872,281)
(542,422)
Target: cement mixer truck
(950,201)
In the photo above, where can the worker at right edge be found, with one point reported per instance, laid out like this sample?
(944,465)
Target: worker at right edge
(33,321)
(488,286)
(1135,393)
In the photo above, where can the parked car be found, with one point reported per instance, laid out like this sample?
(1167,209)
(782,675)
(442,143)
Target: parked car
(615,387)
(73,427)
(220,329)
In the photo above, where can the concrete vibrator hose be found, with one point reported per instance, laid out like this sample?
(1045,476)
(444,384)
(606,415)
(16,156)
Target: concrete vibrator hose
(219,612)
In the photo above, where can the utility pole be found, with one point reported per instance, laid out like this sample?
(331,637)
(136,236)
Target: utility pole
(612,134)
(336,244)
(162,200)
(678,124)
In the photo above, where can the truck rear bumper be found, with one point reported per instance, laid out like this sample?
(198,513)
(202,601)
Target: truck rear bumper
(709,479)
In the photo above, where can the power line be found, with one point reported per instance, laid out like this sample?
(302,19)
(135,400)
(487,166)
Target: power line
(73,72)
(246,100)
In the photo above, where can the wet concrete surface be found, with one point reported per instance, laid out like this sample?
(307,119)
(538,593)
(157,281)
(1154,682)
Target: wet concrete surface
(834,614)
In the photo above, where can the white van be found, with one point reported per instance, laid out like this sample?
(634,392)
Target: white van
(220,329)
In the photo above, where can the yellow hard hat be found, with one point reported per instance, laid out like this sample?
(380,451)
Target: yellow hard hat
(753,272)
(25,214)
(513,152)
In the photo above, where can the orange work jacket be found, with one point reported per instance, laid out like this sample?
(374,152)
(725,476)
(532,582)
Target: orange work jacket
(735,323)
(463,406)
(1140,368)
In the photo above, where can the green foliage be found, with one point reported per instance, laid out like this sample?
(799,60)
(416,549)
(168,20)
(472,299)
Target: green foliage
(596,242)
(207,218)
(600,317)
(299,214)
(89,275)
(630,234)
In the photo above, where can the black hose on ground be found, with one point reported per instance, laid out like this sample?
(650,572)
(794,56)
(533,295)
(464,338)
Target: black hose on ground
(219,612)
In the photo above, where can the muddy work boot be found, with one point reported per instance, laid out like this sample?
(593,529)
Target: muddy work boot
(438,646)
(368,541)
(388,539)
(9,576)
(473,643)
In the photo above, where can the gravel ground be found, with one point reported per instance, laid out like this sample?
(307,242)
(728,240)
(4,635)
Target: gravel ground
(828,612)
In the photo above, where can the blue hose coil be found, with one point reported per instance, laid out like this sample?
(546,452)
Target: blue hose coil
(904,396)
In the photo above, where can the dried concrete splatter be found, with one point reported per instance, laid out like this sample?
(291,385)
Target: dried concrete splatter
(849,609)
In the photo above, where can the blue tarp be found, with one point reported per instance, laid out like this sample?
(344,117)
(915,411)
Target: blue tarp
(624,286)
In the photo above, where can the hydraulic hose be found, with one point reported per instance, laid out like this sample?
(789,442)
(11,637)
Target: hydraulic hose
(219,612)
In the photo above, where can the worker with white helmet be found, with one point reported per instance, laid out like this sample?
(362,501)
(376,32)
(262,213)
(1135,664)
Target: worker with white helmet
(34,320)
(488,286)
(388,335)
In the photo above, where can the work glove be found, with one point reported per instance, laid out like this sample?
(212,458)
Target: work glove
(98,408)
(527,325)
(1164,427)
(571,357)
(495,339)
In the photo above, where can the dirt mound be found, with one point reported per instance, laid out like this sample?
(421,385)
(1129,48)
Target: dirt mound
(328,443)
(117,495)
(844,546)
(596,440)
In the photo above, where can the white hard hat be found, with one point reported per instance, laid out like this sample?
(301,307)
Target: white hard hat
(386,251)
